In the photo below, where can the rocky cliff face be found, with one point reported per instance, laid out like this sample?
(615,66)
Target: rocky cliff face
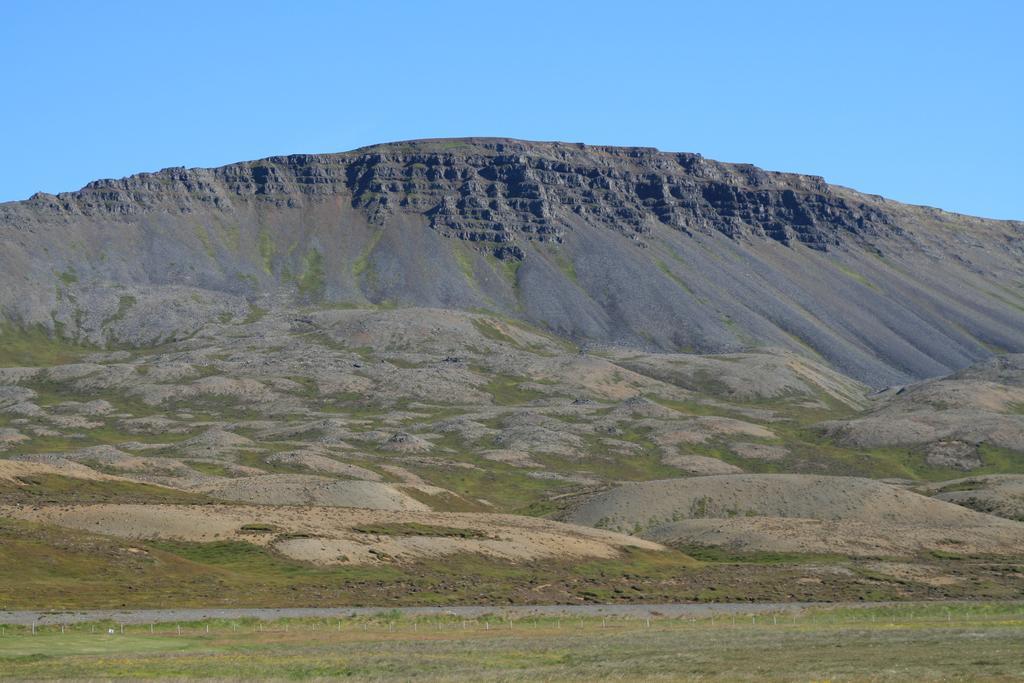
(499,193)
(604,245)
(505,192)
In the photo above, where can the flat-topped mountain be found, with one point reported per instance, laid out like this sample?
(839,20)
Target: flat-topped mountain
(391,376)
(602,245)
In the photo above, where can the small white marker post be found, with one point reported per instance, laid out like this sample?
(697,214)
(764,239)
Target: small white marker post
(179,629)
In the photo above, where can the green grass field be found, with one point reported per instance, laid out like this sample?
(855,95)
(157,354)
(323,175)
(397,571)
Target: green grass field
(934,643)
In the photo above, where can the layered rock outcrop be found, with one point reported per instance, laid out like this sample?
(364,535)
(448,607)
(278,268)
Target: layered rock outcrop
(602,245)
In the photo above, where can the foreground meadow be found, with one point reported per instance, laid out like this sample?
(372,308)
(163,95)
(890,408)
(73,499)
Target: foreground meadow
(932,643)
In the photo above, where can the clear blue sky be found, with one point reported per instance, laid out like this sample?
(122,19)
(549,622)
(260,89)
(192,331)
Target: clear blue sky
(919,101)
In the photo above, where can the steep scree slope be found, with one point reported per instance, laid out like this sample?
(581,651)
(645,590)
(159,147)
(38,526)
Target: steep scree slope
(603,245)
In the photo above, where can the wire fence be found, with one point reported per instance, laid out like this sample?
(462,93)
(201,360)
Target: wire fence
(390,624)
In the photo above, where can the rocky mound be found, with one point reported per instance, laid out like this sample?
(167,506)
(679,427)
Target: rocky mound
(643,505)
(1007,369)
(11,471)
(840,537)
(796,513)
(299,489)
(700,465)
(316,461)
(995,494)
(948,419)
(341,536)
(749,376)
